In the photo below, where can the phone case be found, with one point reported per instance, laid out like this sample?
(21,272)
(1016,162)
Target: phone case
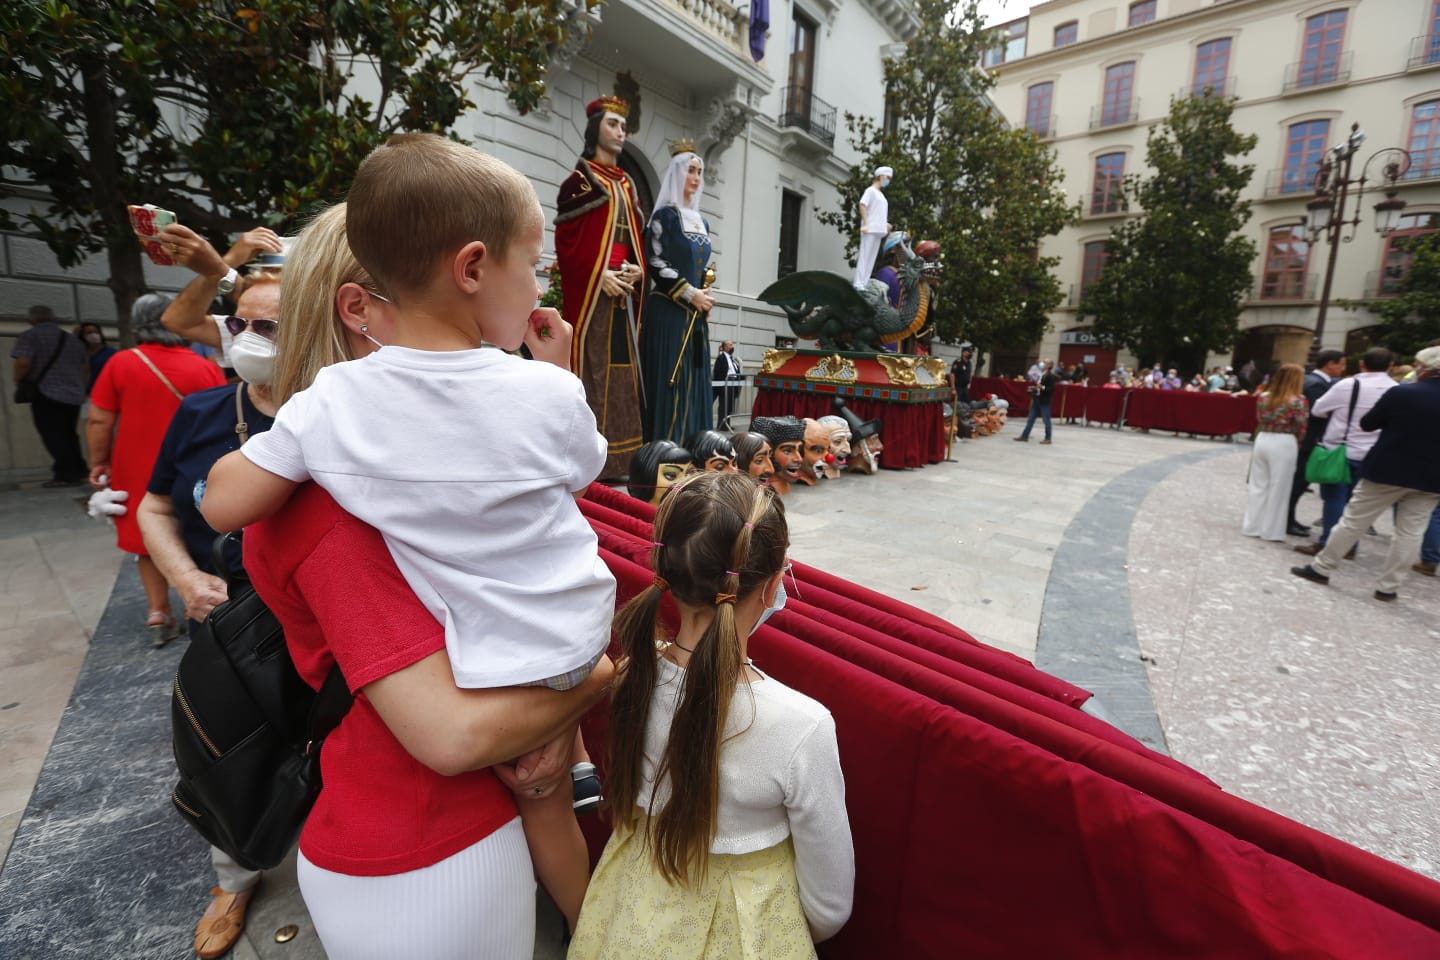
(147,221)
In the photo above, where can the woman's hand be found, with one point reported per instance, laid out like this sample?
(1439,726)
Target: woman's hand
(100,476)
(549,337)
(541,771)
(202,592)
(193,250)
(259,240)
(702,301)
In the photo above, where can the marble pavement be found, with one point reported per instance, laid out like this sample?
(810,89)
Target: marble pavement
(1111,558)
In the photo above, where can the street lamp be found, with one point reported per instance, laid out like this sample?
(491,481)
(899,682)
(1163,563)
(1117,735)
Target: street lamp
(1326,215)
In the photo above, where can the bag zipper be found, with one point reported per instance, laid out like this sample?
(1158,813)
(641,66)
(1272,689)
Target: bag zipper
(194,723)
(175,799)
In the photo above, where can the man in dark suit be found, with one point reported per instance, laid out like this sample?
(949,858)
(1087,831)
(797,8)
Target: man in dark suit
(727,369)
(960,375)
(1329,367)
(1402,470)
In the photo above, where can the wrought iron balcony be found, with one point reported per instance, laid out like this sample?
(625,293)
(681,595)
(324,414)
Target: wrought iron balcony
(805,111)
(1318,72)
(1115,114)
(1044,128)
(1384,283)
(1227,87)
(1291,181)
(1287,287)
(1424,52)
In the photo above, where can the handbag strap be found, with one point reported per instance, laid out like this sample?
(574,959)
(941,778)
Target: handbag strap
(1350,417)
(242,429)
(59,345)
(156,370)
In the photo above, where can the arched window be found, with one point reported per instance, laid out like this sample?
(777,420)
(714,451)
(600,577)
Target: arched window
(1287,261)
(1304,149)
(1038,101)
(1068,33)
(1324,42)
(1142,12)
(1424,141)
(1395,263)
(1119,94)
(1212,67)
(1107,195)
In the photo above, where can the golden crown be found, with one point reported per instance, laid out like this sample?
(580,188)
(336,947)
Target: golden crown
(609,104)
(683,145)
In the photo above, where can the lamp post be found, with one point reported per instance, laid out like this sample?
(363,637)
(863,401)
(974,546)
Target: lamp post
(1327,216)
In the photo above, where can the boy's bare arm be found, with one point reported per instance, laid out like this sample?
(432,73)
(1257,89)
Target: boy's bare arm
(239,493)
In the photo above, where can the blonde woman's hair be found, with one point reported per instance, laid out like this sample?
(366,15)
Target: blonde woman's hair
(1287,383)
(421,196)
(311,336)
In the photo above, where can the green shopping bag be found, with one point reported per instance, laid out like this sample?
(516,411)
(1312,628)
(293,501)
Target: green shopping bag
(1328,466)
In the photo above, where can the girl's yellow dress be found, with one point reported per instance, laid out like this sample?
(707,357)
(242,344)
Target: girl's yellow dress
(746,908)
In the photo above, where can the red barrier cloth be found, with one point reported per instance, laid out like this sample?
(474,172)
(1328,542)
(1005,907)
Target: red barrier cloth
(1011,391)
(1070,401)
(913,433)
(989,822)
(1103,406)
(1215,414)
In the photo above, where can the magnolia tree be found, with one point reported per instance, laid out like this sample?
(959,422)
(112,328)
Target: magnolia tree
(232,114)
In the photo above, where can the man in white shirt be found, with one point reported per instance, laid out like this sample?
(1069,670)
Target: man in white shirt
(1329,366)
(874,224)
(1364,389)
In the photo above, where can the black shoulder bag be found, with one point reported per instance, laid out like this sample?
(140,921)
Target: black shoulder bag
(247,728)
(28,390)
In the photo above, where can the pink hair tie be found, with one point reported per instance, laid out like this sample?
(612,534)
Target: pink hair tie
(748,525)
(731,573)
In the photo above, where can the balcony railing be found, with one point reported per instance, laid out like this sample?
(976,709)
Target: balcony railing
(1424,52)
(808,112)
(1318,72)
(1044,128)
(722,19)
(1384,283)
(1291,181)
(1286,287)
(1115,114)
(1424,165)
(1225,88)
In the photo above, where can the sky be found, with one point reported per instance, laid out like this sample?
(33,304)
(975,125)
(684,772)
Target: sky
(1002,11)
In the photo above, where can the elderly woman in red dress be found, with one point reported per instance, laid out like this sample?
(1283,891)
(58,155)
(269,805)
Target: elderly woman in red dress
(140,389)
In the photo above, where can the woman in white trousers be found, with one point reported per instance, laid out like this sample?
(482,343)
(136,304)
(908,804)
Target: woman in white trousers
(1282,412)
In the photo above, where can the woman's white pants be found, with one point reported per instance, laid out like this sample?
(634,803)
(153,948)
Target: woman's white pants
(476,905)
(1272,469)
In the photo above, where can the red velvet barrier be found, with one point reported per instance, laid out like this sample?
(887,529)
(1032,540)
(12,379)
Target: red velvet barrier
(913,433)
(1011,391)
(968,835)
(984,828)
(1104,406)
(1070,401)
(1215,414)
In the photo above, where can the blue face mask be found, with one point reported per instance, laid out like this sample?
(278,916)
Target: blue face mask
(770,611)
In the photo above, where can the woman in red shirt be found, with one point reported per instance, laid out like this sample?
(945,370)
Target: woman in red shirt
(414,847)
(142,388)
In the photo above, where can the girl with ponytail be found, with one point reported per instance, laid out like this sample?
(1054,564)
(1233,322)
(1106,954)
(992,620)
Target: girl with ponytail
(730,833)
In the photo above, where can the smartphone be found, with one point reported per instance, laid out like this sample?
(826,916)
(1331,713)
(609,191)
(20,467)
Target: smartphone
(147,220)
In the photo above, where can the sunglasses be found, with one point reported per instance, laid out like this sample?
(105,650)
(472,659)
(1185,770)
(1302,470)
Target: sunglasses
(264,327)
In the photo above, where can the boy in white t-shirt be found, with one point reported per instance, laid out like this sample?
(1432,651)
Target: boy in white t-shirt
(874,225)
(467,460)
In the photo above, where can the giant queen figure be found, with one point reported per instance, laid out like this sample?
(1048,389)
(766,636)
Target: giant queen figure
(598,245)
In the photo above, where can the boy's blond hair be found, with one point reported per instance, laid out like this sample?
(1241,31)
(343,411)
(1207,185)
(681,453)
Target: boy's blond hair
(421,196)
(311,335)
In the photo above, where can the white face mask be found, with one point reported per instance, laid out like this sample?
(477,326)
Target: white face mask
(253,358)
(770,611)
